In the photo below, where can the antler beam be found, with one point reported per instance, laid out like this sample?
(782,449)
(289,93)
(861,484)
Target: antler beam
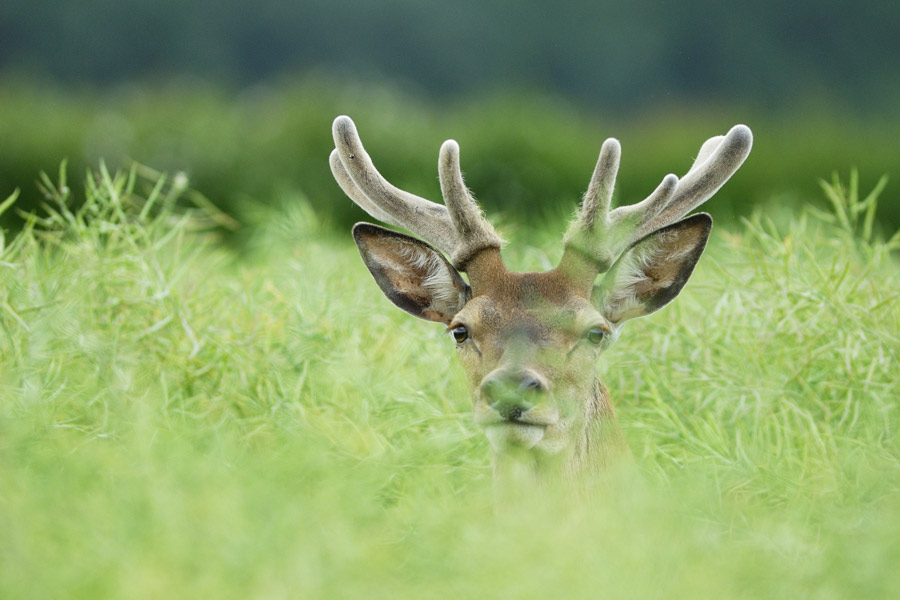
(600,235)
(459,228)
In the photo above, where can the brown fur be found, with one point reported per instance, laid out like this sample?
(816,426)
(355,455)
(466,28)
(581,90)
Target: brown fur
(529,342)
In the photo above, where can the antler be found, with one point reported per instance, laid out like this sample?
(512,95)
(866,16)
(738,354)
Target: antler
(600,235)
(457,228)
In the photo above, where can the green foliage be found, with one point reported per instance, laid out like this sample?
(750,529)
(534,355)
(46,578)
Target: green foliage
(182,419)
(848,211)
(526,156)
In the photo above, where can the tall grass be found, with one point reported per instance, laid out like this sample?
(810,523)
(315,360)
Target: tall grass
(182,419)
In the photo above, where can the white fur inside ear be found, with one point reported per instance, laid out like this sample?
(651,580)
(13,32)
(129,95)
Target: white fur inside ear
(621,287)
(438,281)
(622,298)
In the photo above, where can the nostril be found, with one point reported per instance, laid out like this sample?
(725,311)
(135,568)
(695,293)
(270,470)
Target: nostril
(533,384)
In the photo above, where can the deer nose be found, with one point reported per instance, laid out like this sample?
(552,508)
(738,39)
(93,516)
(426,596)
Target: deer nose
(511,393)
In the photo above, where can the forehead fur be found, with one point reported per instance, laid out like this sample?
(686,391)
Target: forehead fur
(550,287)
(521,299)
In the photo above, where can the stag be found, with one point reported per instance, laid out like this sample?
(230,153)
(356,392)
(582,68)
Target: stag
(529,342)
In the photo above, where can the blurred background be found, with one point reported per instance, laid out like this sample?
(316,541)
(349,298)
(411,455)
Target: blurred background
(240,95)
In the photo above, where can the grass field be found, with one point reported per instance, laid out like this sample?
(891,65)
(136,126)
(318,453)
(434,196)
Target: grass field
(184,419)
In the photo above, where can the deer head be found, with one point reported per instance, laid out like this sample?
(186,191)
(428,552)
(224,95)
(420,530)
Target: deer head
(529,342)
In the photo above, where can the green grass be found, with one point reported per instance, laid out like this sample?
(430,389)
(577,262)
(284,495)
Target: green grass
(182,419)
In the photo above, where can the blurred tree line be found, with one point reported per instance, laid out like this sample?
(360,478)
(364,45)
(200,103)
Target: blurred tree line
(527,156)
(241,94)
(601,53)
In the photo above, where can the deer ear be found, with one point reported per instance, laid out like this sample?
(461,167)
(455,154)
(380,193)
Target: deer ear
(412,274)
(653,270)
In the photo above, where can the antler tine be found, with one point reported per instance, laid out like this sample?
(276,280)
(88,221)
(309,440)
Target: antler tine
(598,236)
(354,193)
(600,190)
(716,162)
(588,234)
(708,147)
(385,202)
(475,232)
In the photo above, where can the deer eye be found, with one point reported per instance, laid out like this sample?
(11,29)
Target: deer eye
(460,333)
(595,335)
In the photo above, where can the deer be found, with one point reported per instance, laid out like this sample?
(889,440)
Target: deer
(529,342)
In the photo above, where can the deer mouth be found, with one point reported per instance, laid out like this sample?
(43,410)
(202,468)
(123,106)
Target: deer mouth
(542,416)
(516,423)
(514,433)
